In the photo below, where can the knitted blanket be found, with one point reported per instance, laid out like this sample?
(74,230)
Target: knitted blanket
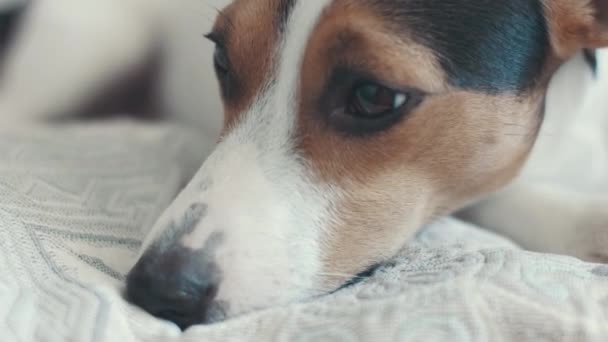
(76,200)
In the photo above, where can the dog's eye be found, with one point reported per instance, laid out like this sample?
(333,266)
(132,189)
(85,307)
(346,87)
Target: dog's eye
(223,69)
(358,103)
(220,60)
(371,101)
(220,56)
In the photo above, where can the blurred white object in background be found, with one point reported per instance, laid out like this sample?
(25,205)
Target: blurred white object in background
(190,88)
(572,149)
(562,190)
(67,51)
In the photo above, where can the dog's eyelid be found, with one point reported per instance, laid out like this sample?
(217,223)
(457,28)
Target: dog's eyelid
(362,76)
(216,37)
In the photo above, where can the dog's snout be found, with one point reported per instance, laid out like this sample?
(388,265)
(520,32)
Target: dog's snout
(178,285)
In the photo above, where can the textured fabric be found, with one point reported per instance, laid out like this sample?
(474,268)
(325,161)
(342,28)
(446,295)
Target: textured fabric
(76,201)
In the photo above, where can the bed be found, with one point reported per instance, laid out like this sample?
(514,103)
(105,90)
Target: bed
(76,200)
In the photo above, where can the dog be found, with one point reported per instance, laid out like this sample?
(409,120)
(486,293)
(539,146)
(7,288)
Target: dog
(349,125)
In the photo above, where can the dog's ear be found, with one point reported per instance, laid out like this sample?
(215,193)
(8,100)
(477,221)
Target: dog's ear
(577,24)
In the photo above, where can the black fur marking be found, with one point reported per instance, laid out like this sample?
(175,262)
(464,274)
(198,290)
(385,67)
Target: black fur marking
(591,59)
(176,230)
(360,277)
(485,45)
(285,9)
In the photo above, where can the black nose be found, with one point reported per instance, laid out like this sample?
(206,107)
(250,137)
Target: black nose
(177,285)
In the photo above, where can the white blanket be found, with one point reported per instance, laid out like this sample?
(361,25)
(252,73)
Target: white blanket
(76,201)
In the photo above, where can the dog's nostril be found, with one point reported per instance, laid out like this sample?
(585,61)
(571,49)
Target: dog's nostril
(177,286)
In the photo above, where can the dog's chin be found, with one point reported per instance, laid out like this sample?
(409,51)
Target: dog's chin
(223,310)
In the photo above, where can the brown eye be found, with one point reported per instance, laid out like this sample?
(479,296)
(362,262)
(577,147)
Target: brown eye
(371,100)
(220,61)
(357,103)
(220,56)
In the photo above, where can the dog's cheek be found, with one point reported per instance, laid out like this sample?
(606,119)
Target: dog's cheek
(481,142)
(372,222)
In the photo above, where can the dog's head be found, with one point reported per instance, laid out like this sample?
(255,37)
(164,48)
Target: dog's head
(348,125)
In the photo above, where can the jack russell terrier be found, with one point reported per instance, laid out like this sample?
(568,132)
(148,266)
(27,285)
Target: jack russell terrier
(350,124)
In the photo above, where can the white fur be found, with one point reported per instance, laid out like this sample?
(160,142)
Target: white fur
(259,195)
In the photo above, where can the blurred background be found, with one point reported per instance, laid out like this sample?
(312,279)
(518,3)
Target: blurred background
(147,58)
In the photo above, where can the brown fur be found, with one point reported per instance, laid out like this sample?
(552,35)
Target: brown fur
(453,148)
(574,25)
(251,32)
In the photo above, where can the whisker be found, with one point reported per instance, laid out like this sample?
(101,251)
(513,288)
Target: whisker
(512,124)
(529,135)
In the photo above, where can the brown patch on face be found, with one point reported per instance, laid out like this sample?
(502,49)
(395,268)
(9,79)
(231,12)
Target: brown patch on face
(454,147)
(250,32)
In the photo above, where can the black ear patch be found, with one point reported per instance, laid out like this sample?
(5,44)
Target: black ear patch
(285,9)
(591,59)
(487,45)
